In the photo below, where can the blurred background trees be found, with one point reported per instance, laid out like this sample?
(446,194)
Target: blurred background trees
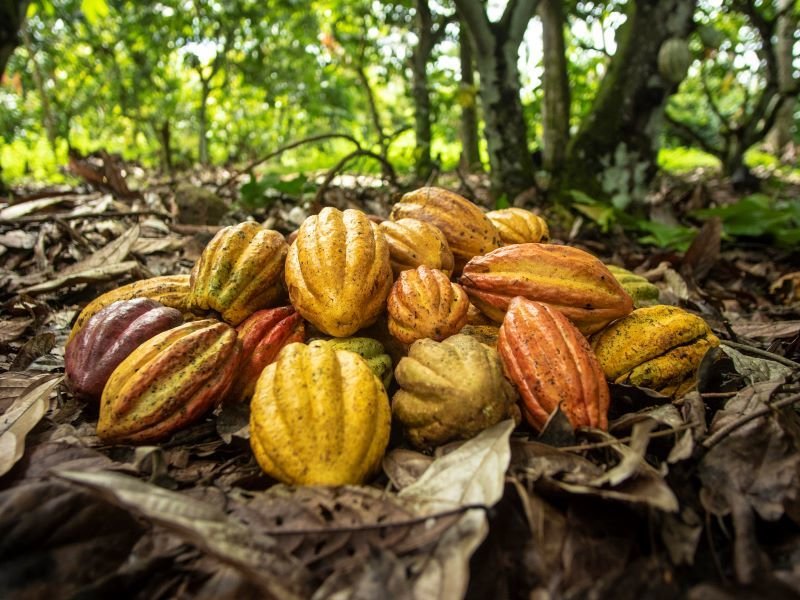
(568,102)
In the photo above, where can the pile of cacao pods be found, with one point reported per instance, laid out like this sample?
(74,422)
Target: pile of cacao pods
(475,316)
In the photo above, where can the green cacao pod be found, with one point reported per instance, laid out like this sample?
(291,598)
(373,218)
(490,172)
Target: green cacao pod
(371,350)
(674,59)
(641,291)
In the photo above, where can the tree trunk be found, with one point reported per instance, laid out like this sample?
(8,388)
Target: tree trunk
(497,49)
(165,146)
(782,132)
(470,152)
(615,149)
(556,102)
(421,91)
(202,118)
(12,16)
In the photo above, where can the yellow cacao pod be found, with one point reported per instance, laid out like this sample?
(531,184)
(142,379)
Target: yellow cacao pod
(424,304)
(568,279)
(451,390)
(319,416)
(338,271)
(170,290)
(169,382)
(239,272)
(413,243)
(467,229)
(657,347)
(519,226)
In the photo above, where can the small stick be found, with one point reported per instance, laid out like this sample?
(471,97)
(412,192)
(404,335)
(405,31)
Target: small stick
(725,431)
(657,434)
(92,215)
(763,353)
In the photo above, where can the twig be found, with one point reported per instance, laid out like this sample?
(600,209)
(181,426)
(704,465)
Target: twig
(725,431)
(718,394)
(281,150)
(763,353)
(193,229)
(387,169)
(622,440)
(91,215)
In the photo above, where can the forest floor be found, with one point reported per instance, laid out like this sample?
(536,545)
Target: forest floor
(697,497)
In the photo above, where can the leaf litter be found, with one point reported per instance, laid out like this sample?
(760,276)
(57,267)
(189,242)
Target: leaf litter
(697,498)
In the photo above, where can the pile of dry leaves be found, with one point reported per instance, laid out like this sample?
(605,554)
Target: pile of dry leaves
(698,498)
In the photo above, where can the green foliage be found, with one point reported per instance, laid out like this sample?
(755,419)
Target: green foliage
(258,193)
(759,215)
(682,159)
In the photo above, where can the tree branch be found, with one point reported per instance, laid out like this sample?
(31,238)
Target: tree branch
(689,135)
(516,17)
(473,14)
(388,171)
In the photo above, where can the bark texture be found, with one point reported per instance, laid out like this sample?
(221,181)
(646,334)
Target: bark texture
(630,101)
(556,101)
(470,152)
(496,53)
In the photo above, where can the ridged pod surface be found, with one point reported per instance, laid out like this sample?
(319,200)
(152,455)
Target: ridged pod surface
(641,291)
(519,226)
(465,226)
(319,416)
(263,335)
(552,365)
(424,304)
(658,347)
(568,279)
(451,390)
(170,290)
(109,337)
(338,271)
(413,243)
(169,382)
(239,272)
(371,350)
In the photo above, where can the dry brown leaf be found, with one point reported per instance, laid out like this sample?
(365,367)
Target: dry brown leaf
(34,348)
(22,209)
(114,252)
(103,273)
(228,539)
(18,240)
(153,245)
(21,417)
(11,329)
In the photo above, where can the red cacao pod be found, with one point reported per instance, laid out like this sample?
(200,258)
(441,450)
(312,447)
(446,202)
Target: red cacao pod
(109,337)
(262,335)
(169,382)
(552,365)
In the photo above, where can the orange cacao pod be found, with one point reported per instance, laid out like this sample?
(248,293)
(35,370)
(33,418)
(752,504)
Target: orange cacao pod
(413,243)
(239,272)
(552,365)
(170,290)
(110,336)
(262,335)
(424,304)
(338,271)
(571,280)
(519,226)
(467,229)
(169,382)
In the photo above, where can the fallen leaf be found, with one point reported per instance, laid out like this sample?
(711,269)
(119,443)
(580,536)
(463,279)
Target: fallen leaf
(35,347)
(21,417)
(703,252)
(22,209)
(12,329)
(112,253)
(770,331)
(153,245)
(403,467)
(104,273)
(381,575)
(472,474)
(207,527)
(755,369)
(18,240)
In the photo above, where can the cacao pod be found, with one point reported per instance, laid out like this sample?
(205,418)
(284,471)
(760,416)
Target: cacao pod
(319,416)
(519,226)
(451,390)
(262,335)
(569,279)
(424,304)
(476,317)
(465,227)
(170,290)
(169,382)
(239,272)
(674,59)
(372,351)
(641,291)
(109,337)
(485,334)
(338,271)
(658,347)
(413,243)
(552,365)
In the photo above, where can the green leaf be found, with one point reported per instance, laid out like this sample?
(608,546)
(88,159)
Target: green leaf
(502,202)
(94,10)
